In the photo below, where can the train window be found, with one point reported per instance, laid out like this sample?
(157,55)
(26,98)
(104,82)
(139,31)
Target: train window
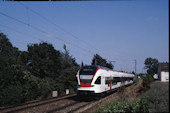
(98,80)
(85,80)
(128,79)
(114,82)
(131,78)
(117,79)
(107,82)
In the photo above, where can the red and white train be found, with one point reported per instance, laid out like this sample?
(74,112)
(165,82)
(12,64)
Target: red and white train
(95,79)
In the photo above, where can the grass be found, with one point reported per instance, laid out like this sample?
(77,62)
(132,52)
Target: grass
(138,105)
(137,98)
(159,97)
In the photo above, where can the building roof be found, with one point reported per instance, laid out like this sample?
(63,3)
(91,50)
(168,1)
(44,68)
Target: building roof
(164,66)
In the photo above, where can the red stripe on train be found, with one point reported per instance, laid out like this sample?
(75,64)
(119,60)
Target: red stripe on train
(82,84)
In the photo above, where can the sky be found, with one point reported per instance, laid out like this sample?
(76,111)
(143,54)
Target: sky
(119,31)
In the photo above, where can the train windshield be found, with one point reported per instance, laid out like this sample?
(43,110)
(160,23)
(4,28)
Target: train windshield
(87,73)
(88,70)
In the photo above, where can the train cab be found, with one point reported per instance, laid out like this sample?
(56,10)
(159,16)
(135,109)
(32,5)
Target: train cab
(88,82)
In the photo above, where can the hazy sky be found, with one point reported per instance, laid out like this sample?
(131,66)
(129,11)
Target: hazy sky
(119,31)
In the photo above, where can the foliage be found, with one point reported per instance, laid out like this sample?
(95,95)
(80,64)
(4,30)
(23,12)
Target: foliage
(10,73)
(121,89)
(98,60)
(69,70)
(151,64)
(158,97)
(147,80)
(44,60)
(12,94)
(35,73)
(138,105)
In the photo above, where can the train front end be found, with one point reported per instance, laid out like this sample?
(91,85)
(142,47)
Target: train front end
(85,78)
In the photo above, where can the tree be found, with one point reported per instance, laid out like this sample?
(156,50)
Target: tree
(98,60)
(151,64)
(109,65)
(68,71)
(11,75)
(32,74)
(44,60)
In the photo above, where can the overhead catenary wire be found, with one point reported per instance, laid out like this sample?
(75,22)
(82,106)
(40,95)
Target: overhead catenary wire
(26,34)
(23,43)
(62,29)
(44,32)
(31,36)
(59,27)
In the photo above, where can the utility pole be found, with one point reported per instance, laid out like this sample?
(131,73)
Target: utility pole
(135,66)
(135,70)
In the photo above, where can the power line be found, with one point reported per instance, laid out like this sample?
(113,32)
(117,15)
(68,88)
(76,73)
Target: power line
(25,34)
(62,29)
(59,27)
(23,43)
(18,42)
(43,32)
(31,36)
(23,23)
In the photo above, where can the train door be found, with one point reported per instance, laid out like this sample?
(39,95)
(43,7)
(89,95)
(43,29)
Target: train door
(107,83)
(102,82)
(110,82)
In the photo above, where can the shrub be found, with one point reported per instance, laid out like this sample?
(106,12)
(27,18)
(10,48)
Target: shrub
(138,105)
(147,80)
(158,97)
(11,95)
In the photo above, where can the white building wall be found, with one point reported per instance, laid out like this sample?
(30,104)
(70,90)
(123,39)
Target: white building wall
(164,76)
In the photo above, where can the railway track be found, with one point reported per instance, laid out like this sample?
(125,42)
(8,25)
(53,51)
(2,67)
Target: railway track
(34,104)
(68,104)
(65,104)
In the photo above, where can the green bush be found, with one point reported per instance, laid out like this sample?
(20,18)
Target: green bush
(147,80)
(139,105)
(158,97)
(11,95)
(121,89)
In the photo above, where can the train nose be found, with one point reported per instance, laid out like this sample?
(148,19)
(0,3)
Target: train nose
(85,84)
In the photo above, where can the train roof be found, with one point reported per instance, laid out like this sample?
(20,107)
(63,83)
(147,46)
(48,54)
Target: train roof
(97,66)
